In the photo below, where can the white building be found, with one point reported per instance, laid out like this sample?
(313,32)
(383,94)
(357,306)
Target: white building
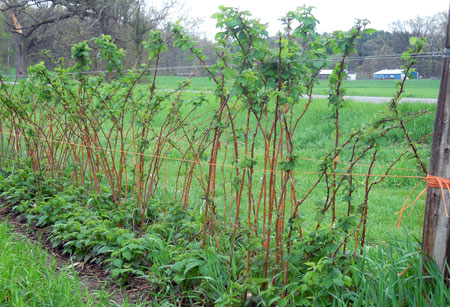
(395,74)
(324,74)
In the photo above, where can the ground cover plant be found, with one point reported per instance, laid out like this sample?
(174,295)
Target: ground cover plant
(251,195)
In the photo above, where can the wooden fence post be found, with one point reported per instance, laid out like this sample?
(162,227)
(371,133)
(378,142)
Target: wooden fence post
(436,232)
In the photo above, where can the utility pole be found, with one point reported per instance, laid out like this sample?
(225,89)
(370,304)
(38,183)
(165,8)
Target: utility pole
(436,232)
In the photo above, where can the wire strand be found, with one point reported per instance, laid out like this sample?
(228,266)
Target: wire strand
(214,164)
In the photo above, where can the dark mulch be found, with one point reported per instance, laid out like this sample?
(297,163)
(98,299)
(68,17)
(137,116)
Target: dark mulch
(93,276)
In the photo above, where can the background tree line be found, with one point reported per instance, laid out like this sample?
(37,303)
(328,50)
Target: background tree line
(382,48)
(27,27)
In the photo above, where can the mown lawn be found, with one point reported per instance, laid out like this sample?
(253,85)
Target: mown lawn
(377,88)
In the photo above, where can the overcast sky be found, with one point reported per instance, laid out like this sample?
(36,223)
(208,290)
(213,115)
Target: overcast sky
(332,14)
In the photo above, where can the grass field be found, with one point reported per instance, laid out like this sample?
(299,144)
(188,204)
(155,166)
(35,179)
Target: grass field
(386,88)
(376,88)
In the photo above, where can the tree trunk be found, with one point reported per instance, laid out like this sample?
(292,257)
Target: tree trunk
(436,232)
(21,54)
(20,46)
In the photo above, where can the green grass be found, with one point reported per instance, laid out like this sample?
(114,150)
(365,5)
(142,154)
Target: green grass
(170,82)
(386,88)
(315,138)
(376,88)
(395,274)
(29,277)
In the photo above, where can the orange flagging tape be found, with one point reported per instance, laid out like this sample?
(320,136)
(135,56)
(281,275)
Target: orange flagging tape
(432,182)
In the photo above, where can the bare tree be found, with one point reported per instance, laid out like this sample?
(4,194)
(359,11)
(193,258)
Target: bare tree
(127,21)
(430,27)
(24,18)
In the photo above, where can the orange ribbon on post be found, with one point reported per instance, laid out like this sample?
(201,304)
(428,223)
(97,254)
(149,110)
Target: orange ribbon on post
(432,182)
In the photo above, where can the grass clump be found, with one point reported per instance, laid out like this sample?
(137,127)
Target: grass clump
(398,274)
(29,277)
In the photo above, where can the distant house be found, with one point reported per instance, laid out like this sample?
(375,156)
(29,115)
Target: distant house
(395,74)
(351,75)
(324,74)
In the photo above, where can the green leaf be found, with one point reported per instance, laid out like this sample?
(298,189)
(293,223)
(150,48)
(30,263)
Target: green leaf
(327,282)
(413,40)
(105,249)
(274,300)
(370,31)
(115,273)
(127,255)
(338,282)
(179,265)
(178,278)
(348,281)
(247,162)
(193,264)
